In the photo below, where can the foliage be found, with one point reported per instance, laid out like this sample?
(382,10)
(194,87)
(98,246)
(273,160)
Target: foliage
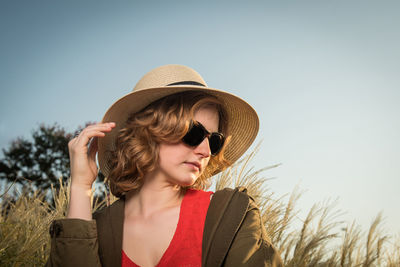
(24,225)
(39,161)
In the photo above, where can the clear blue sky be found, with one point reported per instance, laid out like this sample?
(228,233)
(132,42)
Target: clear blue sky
(323,76)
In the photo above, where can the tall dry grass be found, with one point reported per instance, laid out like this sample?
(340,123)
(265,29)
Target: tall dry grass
(319,239)
(25,222)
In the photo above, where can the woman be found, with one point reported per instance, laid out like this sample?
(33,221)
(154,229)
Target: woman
(158,146)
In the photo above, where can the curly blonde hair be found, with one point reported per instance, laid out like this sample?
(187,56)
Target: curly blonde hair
(165,120)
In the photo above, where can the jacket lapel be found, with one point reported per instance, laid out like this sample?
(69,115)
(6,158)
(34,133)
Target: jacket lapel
(225,214)
(110,223)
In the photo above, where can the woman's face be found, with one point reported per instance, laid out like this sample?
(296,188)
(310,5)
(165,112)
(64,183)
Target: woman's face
(181,164)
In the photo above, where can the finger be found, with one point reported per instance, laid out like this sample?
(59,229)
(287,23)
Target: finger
(93,147)
(101,125)
(84,138)
(90,130)
(94,128)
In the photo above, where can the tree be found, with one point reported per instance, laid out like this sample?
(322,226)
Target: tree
(39,161)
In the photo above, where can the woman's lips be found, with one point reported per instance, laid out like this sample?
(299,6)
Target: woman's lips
(194,165)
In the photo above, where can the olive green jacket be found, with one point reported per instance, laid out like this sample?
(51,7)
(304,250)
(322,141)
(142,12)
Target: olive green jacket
(233,236)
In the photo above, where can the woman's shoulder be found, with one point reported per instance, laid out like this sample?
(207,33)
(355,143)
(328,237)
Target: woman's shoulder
(234,194)
(115,208)
(235,201)
(229,191)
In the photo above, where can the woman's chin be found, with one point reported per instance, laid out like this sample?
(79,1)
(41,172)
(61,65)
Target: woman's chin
(187,182)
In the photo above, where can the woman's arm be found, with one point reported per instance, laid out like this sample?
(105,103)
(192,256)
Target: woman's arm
(74,240)
(74,243)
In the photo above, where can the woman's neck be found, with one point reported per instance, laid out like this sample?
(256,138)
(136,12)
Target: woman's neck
(152,197)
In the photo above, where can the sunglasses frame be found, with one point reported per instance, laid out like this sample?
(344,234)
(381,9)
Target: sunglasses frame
(205,134)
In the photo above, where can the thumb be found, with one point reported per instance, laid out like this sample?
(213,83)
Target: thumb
(93,147)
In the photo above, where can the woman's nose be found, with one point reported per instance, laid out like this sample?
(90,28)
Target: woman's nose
(203,148)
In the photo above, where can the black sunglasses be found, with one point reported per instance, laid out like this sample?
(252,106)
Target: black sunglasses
(196,134)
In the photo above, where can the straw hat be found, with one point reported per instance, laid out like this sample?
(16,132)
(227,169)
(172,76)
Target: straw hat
(170,79)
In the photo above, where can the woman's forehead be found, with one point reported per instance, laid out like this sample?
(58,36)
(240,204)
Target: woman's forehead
(209,117)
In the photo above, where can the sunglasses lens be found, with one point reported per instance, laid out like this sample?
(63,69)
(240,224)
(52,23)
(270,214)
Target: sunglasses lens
(194,136)
(216,142)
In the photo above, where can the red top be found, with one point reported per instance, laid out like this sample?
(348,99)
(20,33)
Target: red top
(185,246)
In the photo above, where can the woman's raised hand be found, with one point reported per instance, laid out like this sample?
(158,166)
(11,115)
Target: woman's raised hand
(83,157)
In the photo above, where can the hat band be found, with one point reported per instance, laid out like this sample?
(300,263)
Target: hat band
(186,83)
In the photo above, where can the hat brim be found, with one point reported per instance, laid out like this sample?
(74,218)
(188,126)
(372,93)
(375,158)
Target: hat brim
(242,118)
